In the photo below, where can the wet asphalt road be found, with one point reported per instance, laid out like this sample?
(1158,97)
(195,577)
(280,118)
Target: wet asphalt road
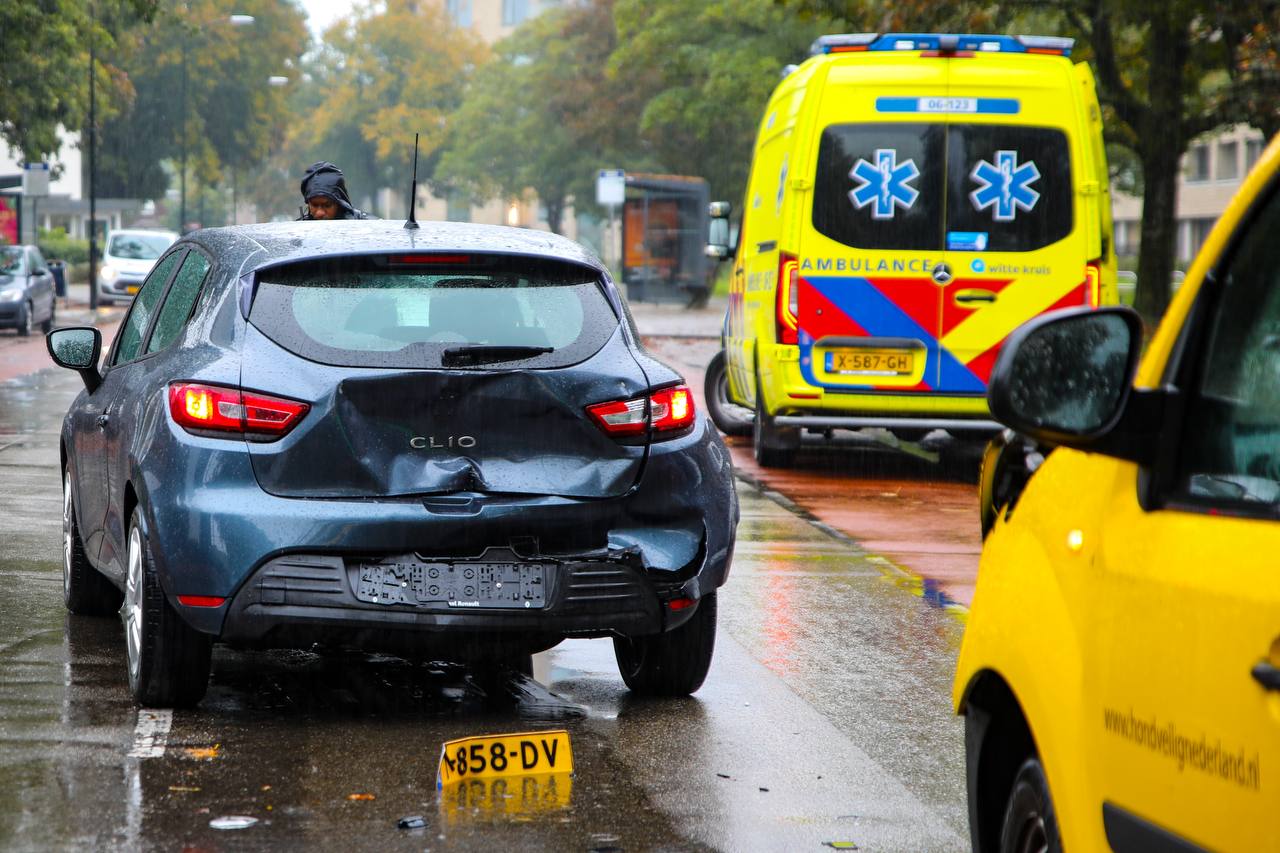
(825,716)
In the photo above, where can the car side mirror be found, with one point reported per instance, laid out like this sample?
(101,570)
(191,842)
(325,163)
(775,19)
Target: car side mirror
(1066,378)
(77,348)
(719,238)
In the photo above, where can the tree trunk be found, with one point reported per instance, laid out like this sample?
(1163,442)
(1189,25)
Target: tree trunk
(1163,141)
(1158,243)
(555,214)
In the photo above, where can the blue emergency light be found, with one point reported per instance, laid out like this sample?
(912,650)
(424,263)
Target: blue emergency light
(941,43)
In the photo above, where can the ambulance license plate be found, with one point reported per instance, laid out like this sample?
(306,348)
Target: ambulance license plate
(870,362)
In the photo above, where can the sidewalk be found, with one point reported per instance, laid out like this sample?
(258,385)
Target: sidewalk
(662,319)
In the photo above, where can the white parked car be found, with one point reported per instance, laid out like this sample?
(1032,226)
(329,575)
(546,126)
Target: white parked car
(128,257)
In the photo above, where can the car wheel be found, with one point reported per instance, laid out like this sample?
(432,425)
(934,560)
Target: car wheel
(24,320)
(84,590)
(1030,823)
(773,447)
(169,661)
(673,663)
(47,325)
(727,415)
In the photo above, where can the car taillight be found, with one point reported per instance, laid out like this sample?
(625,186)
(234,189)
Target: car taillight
(215,408)
(1092,284)
(788,307)
(663,411)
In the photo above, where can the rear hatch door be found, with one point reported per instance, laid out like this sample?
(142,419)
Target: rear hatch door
(868,308)
(434,375)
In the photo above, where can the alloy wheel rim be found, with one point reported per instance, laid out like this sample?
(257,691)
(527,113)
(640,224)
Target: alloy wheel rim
(66,535)
(1034,837)
(131,611)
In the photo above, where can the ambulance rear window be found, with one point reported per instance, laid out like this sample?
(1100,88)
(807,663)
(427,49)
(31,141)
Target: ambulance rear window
(880,186)
(1011,183)
(934,187)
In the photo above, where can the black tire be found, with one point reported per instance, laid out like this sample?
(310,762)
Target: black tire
(728,416)
(47,325)
(773,446)
(84,589)
(1030,822)
(674,663)
(168,660)
(24,321)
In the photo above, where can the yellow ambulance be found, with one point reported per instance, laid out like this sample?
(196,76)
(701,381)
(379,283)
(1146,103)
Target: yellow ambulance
(913,198)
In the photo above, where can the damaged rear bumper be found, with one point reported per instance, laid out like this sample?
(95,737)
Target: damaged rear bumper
(298,599)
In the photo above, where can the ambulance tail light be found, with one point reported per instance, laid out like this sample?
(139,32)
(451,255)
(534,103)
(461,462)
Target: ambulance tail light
(1093,283)
(788,296)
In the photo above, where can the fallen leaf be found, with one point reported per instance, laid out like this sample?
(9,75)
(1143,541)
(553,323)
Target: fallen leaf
(361,797)
(266,787)
(204,752)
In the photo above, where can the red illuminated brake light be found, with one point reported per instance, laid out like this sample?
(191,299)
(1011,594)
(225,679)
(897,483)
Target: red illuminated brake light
(788,299)
(215,408)
(663,411)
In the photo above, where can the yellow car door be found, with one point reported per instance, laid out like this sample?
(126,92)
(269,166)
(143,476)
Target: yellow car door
(1184,681)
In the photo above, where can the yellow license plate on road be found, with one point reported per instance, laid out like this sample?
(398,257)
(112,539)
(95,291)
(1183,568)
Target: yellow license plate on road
(520,754)
(871,362)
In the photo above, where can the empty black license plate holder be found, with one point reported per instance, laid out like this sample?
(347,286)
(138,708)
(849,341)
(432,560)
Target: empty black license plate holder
(461,585)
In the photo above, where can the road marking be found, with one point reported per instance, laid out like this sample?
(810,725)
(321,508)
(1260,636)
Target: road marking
(151,735)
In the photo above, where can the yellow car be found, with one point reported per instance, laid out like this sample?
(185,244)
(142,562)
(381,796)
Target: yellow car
(913,198)
(1120,673)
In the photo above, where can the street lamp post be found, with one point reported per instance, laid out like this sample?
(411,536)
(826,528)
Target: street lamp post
(93,140)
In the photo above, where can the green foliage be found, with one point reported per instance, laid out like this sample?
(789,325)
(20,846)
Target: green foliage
(542,115)
(56,245)
(44,65)
(702,74)
(233,118)
(395,69)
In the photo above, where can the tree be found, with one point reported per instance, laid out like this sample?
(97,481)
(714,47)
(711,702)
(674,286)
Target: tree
(44,64)
(704,72)
(231,117)
(394,69)
(542,115)
(1173,70)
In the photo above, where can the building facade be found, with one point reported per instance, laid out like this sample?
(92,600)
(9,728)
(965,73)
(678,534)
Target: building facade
(1212,170)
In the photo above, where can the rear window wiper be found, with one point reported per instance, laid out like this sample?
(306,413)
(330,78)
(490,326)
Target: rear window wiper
(489,354)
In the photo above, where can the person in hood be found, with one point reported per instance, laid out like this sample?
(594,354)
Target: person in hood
(325,192)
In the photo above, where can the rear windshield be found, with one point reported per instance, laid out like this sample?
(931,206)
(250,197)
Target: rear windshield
(367,313)
(935,187)
(138,247)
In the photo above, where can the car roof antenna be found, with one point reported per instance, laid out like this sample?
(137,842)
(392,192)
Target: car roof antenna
(412,222)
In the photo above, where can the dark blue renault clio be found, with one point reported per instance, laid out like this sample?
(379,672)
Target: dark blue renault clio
(447,442)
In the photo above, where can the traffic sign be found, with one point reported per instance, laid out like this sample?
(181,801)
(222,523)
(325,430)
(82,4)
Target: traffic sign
(35,179)
(611,186)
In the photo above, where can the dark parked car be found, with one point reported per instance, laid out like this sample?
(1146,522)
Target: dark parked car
(27,294)
(445,442)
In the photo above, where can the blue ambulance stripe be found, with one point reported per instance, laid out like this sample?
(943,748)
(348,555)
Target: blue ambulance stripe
(990,106)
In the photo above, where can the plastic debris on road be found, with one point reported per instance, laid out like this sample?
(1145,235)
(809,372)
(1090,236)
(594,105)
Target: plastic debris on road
(235,821)
(414,822)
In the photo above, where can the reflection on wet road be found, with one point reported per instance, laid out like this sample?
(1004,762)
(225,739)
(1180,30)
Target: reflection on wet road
(825,716)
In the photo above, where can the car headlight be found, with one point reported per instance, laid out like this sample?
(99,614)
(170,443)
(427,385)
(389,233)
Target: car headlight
(108,273)
(10,295)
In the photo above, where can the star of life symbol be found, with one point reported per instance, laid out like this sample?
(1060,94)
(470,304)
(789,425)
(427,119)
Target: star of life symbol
(1005,186)
(884,184)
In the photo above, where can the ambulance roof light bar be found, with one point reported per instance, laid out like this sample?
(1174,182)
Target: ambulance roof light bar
(941,43)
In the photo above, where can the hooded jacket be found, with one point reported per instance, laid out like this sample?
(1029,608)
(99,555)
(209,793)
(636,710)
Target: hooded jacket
(326,179)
